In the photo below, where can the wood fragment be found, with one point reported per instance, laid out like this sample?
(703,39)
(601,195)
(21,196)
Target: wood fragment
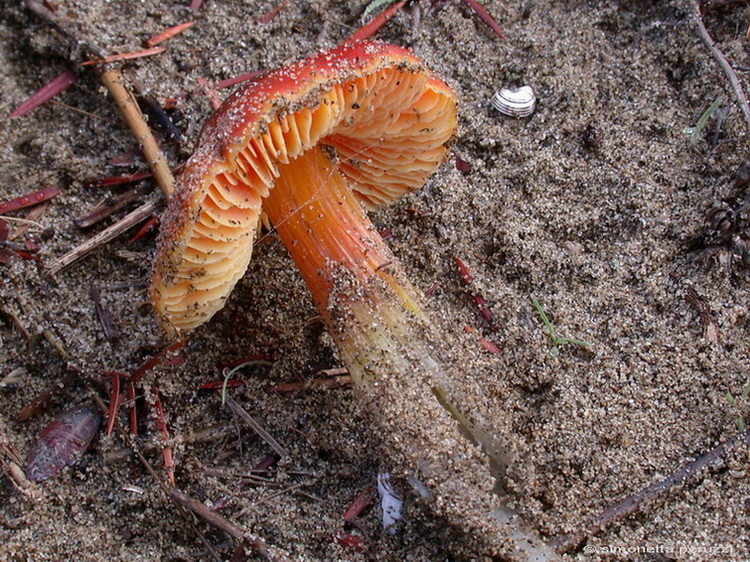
(708,322)
(219,521)
(113,81)
(739,93)
(55,342)
(16,321)
(104,210)
(123,225)
(46,93)
(167,34)
(106,318)
(32,218)
(248,419)
(631,504)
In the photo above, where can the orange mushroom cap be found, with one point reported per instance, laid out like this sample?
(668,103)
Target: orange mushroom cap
(387,118)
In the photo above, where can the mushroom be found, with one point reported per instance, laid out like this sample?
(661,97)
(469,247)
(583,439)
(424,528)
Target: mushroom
(310,144)
(313,145)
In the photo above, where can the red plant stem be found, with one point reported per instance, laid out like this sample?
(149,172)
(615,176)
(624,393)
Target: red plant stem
(114,402)
(158,358)
(126,56)
(210,91)
(119,180)
(100,212)
(358,505)
(168,33)
(147,227)
(272,13)
(463,271)
(133,414)
(229,82)
(29,199)
(489,346)
(479,300)
(485,16)
(161,425)
(46,93)
(218,385)
(377,22)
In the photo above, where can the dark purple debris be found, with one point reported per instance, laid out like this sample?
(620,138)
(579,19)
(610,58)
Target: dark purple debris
(62,442)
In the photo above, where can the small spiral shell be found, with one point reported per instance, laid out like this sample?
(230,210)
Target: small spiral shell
(519,102)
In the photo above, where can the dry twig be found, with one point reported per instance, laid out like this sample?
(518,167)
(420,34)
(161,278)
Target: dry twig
(126,223)
(248,419)
(113,81)
(739,93)
(633,503)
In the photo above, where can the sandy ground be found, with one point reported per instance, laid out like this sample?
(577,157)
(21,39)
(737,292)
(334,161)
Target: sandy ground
(593,207)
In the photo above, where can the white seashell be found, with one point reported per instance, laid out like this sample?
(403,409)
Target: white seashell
(519,102)
(390,503)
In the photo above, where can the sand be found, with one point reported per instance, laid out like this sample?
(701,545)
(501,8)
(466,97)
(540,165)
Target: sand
(596,206)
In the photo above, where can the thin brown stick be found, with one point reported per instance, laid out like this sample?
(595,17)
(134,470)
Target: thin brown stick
(734,81)
(104,210)
(10,313)
(126,223)
(126,103)
(218,521)
(43,398)
(150,469)
(248,419)
(112,80)
(47,15)
(633,503)
(200,509)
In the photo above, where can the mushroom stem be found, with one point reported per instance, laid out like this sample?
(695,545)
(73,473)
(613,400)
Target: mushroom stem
(353,276)
(390,347)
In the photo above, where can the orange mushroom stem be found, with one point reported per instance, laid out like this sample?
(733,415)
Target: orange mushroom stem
(353,276)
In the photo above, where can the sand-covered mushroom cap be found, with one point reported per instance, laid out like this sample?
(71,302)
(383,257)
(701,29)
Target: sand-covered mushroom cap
(384,114)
